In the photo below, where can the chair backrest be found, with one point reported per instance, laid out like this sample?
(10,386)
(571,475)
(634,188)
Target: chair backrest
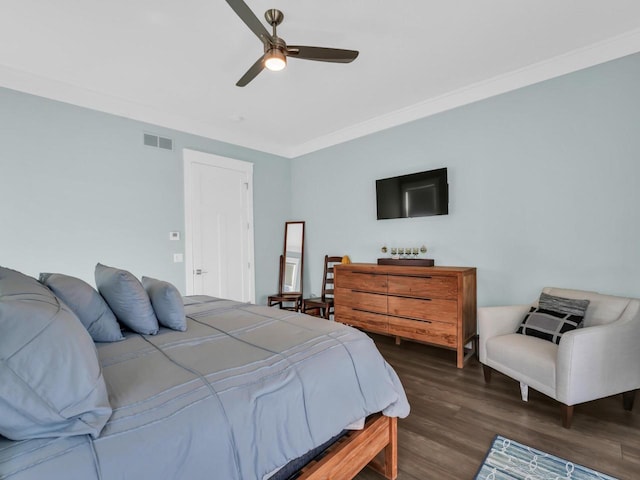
(602,309)
(327,279)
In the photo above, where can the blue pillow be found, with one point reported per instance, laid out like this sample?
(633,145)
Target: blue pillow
(51,383)
(167,303)
(127,298)
(87,304)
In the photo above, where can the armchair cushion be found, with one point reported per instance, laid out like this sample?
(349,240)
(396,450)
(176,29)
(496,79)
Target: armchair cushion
(553,317)
(529,360)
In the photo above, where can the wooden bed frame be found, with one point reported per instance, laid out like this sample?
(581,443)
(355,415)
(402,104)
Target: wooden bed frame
(357,449)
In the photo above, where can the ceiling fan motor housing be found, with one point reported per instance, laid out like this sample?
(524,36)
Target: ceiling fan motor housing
(278,44)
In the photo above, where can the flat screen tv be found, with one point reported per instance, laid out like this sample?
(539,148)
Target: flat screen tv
(415,195)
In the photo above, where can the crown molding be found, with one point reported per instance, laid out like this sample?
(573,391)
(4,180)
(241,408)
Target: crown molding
(610,49)
(33,84)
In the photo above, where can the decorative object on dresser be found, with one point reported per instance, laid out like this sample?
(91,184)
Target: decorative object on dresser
(324,303)
(407,262)
(289,296)
(403,253)
(435,305)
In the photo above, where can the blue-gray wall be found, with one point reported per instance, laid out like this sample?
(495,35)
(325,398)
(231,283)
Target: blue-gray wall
(79,187)
(544,188)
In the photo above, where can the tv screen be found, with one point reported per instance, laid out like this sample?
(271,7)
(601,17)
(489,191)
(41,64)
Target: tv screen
(416,195)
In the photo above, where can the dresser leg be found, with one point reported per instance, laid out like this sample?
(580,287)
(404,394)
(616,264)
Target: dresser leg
(398,340)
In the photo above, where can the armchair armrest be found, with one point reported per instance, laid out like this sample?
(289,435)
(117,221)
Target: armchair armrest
(494,321)
(600,361)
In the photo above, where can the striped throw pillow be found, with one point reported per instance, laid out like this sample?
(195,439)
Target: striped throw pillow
(553,317)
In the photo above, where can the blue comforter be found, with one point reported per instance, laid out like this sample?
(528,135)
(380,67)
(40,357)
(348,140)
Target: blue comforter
(238,395)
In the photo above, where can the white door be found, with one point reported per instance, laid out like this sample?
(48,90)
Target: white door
(218,226)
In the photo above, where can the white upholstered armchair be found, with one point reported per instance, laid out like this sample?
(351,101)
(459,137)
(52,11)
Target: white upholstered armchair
(596,361)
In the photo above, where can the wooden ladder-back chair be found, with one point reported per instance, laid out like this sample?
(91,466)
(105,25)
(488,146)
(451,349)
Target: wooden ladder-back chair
(324,303)
(284,299)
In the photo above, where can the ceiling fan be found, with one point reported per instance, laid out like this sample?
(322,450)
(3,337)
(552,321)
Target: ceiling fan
(276,50)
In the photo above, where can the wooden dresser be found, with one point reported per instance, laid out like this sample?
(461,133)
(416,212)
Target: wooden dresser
(435,305)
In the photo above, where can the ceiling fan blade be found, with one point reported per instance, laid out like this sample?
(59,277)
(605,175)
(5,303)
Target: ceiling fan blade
(320,54)
(252,73)
(249,18)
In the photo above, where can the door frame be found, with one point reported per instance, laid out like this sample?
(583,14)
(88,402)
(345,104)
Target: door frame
(191,157)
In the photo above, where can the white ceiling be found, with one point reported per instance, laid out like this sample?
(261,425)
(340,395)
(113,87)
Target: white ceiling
(175,63)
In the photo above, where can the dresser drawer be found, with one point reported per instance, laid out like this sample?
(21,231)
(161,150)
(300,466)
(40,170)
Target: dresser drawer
(373,322)
(361,281)
(425,287)
(432,332)
(436,309)
(371,302)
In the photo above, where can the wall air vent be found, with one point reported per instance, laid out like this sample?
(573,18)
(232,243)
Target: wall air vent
(165,143)
(151,140)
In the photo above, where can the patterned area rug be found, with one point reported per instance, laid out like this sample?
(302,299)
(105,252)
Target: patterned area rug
(510,460)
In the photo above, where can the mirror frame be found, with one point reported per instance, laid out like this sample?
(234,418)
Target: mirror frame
(300,269)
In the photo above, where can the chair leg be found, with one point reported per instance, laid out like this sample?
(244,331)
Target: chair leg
(627,399)
(486,370)
(567,415)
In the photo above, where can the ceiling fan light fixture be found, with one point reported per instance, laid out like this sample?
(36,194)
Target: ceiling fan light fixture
(275,60)
(276,50)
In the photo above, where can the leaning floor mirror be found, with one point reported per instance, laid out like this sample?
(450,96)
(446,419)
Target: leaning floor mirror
(293,257)
(291,268)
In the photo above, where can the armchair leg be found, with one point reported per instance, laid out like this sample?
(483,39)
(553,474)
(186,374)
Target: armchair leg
(486,370)
(524,392)
(567,415)
(627,399)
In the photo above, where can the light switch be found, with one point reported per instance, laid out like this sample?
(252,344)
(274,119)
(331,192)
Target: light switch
(178,258)
(174,235)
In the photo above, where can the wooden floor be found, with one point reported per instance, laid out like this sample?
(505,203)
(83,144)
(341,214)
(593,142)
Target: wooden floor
(454,417)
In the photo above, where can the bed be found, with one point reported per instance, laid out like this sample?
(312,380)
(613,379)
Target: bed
(240,394)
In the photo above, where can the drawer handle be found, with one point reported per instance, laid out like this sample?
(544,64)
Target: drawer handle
(410,318)
(410,276)
(410,296)
(367,311)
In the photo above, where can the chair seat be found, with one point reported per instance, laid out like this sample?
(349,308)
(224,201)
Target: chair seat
(318,301)
(527,359)
(318,304)
(281,299)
